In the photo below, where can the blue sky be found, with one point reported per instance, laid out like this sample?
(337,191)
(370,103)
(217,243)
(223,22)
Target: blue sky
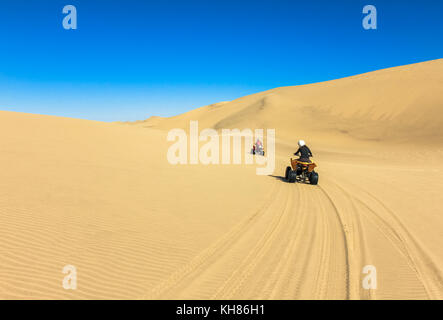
(130,59)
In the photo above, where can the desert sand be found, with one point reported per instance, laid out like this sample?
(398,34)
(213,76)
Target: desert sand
(103,198)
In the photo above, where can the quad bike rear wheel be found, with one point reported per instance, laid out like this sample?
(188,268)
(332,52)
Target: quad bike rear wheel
(292,176)
(288,169)
(313,178)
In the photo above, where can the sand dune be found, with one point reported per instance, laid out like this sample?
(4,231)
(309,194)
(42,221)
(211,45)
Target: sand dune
(103,198)
(392,105)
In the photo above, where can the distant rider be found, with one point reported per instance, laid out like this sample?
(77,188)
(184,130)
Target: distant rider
(303,151)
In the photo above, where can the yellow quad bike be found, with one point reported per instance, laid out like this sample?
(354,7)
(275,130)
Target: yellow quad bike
(301,172)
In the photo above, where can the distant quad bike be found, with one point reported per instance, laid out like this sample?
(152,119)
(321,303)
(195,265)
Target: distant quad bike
(258,149)
(301,172)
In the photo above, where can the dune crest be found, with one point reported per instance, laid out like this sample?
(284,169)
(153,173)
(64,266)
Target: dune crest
(396,104)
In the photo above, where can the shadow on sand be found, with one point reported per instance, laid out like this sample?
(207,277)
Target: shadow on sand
(286,181)
(279,178)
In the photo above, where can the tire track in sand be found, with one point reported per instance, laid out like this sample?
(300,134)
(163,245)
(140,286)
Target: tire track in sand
(375,210)
(293,247)
(304,257)
(349,278)
(246,269)
(212,253)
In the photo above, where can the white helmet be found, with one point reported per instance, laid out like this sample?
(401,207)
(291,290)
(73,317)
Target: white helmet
(301,143)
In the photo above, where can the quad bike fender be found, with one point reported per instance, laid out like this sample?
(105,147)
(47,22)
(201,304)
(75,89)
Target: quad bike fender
(310,165)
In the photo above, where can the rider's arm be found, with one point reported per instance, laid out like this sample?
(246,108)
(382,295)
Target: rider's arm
(297,153)
(309,150)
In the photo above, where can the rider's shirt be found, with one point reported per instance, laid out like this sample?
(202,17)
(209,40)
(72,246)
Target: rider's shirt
(304,152)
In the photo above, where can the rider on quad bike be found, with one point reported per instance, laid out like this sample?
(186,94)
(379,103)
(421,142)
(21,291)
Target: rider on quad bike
(257,148)
(302,169)
(304,152)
